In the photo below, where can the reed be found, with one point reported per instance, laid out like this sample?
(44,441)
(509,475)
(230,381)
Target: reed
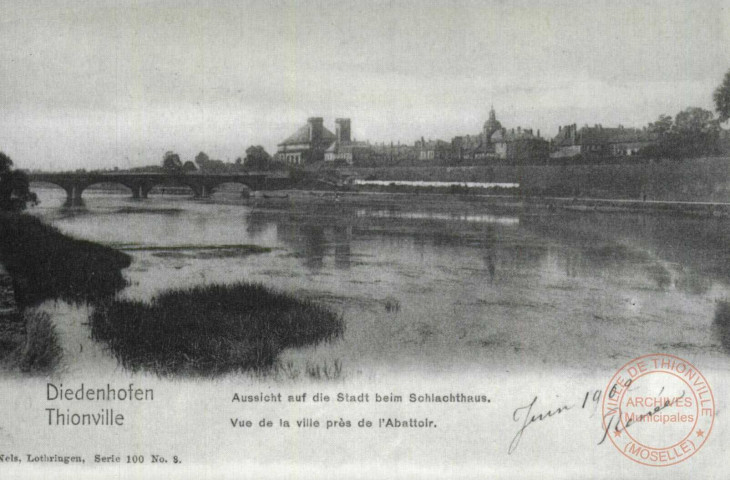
(211,329)
(41,352)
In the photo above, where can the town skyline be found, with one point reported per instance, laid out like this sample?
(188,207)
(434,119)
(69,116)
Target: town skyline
(119,84)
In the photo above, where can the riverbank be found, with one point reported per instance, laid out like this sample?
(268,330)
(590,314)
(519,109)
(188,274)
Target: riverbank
(45,264)
(691,180)
(204,330)
(501,203)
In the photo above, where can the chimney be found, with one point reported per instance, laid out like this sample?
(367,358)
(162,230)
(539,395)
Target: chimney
(538,133)
(315,129)
(560,128)
(343,130)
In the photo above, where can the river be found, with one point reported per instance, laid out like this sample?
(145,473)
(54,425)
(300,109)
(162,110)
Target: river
(427,284)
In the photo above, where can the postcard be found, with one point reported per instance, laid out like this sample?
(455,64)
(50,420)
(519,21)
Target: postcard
(372,239)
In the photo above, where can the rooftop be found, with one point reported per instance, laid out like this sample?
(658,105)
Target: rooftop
(302,136)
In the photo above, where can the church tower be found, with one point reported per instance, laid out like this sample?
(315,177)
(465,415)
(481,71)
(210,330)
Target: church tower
(491,126)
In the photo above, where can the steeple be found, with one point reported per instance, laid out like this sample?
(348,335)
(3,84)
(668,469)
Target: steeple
(491,125)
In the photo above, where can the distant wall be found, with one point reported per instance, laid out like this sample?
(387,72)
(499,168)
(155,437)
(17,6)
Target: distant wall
(700,180)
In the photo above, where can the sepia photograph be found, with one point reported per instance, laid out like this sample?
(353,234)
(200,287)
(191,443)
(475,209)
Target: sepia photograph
(367,239)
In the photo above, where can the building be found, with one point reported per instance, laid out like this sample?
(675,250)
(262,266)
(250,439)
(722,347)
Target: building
(479,146)
(598,141)
(471,147)
(394,153)
(308,144)
(520,146)
(431,150)
(491,126)
(344,149)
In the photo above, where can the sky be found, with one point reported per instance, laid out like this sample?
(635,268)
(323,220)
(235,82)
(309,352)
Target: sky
(99,84)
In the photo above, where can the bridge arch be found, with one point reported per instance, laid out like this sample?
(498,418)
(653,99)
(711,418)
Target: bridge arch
(130,186)
(54,183)
(214,187)
(193,185)
(73,193)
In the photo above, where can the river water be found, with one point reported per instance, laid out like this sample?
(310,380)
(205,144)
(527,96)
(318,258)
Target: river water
(431,283)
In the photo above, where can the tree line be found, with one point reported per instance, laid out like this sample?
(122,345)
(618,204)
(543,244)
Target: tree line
(693,132)
(256,158)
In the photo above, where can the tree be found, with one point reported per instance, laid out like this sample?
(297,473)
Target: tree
(694,120)
(257,158)
(171,161)
(207,164)
(662,127)
(6,163)
(696,132)
(15,191)
(722,99)
(189,167)
(202,160)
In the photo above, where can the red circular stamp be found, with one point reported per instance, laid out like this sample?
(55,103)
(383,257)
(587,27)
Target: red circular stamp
(658,410)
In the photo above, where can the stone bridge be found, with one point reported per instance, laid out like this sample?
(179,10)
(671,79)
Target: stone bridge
(140,183)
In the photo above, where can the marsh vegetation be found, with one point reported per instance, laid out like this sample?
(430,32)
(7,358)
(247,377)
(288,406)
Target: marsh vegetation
(45,264)
(211,329)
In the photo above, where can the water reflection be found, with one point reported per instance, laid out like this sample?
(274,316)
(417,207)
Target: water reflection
(579,246)
(343,251)
(685,254)
(74,204)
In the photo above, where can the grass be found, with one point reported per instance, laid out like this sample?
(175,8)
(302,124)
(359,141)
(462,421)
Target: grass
(316,371)
(41,351)
(288,371)
(46,264)
(212,329)
(29,343)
